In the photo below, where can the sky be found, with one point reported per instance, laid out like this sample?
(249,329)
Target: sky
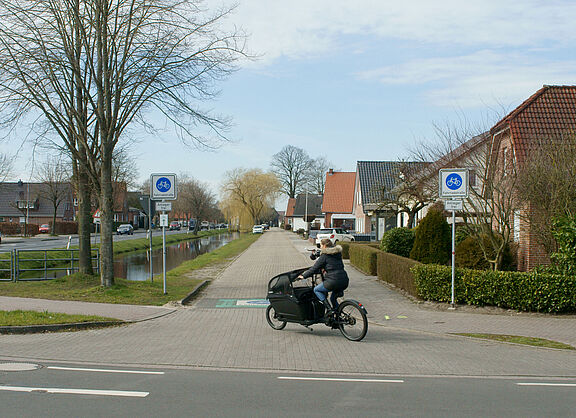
(367,79)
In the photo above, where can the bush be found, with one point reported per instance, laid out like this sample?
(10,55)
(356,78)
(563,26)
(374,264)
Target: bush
(395,270)
(66,228)
(534,291)
(347,244)
(469,255)
(432,239)
(398,241)
(364,257)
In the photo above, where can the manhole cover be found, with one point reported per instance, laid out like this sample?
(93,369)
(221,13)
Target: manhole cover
(18,367)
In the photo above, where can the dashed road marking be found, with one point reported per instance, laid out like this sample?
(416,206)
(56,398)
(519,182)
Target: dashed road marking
(77,369)
(572,385)
(336,379)
(96,392)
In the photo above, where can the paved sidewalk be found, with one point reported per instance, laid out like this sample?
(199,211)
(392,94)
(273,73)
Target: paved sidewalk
(132,313)
(403,337)
(389,307)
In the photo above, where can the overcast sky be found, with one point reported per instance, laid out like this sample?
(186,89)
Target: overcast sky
(366,79)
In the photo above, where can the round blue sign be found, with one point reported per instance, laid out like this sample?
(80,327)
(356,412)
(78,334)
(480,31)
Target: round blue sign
(454,181)
(163,184)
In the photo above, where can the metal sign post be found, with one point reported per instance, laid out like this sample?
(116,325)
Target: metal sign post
(453,184)
(163,187)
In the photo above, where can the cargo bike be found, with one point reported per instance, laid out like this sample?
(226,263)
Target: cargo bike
(293,300)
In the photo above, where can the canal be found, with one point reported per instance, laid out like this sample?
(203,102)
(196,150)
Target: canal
(136,267)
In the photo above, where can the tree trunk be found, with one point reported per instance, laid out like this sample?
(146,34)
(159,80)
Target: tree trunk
(107,220)
(84,220)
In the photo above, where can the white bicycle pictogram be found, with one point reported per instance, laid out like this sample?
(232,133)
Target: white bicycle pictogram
(453,182)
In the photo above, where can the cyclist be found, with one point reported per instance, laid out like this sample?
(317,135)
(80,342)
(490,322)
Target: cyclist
(335,277)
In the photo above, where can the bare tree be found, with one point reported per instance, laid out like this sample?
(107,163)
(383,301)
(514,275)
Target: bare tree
(316,174)
(5,167)
(54,176)
(291,166)
(92,69)
(195,199)
(546,182)
(410,193)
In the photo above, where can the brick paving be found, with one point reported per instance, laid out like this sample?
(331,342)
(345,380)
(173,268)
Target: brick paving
(419,342)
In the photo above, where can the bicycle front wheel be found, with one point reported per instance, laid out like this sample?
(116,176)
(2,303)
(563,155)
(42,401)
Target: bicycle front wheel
(352,321)
(273,320)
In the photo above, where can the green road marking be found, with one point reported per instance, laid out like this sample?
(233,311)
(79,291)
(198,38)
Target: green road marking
(386,317)
(242,303)
(401,317)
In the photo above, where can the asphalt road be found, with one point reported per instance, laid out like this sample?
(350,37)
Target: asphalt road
(73,390)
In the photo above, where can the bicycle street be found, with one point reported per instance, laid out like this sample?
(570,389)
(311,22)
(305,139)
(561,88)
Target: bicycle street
(226,328)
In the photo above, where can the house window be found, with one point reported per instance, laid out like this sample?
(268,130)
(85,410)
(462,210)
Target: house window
(75,202)
(505,156)
(516,226)
(25,204)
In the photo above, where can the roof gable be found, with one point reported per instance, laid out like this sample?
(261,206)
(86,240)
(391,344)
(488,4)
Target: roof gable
(339,192)
(310,204)
(376,176)
(549,113)
(290,206)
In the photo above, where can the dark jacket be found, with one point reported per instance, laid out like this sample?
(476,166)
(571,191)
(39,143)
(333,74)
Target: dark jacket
(330,260)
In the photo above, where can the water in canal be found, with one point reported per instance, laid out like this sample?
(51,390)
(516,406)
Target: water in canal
(137,266)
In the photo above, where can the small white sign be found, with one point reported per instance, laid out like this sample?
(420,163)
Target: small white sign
(453,182)
(163,187)
(163,220)
(453,205)
(163,206)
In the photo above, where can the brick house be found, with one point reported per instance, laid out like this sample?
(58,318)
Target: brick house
(338,202)
(548,113)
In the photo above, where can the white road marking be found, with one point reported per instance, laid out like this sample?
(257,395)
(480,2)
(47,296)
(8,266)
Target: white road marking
(76,369)
(96,392)
(573,385)
(334,379)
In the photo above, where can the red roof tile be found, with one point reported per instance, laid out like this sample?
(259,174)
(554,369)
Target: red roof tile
(291,206)
(339,192)
(548,113)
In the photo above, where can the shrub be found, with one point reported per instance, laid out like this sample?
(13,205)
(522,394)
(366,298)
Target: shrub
(469,255)
(396,270)
(534,291)
(432,240)
(564,232)
(364,257)
(398,241)
(347,244)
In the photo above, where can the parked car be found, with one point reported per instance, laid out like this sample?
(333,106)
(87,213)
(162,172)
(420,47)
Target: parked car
(125,229)
(191,224)
(333,234)
(204,226)
(257,229)
(174,226)
(44,229)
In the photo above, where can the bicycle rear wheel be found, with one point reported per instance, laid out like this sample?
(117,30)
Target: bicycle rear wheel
(352,321)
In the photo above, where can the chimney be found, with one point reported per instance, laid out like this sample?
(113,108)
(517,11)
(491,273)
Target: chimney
(331,172)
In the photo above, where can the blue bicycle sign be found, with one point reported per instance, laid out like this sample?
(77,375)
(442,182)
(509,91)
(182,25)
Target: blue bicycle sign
(163,184)
(163,187)
(453,181)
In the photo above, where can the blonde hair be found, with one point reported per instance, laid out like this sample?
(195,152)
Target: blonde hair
(326,242)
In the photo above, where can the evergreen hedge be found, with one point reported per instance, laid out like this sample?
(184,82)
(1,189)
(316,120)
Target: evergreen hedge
(398,241)
(533,291)
(395,269)
(364,257)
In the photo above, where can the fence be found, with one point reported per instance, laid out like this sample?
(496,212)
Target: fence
(24,265)
(6,266)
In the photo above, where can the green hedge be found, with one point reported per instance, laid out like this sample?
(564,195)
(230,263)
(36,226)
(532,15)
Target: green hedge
(396,270)
(346,247)
(364,257)
(533,291)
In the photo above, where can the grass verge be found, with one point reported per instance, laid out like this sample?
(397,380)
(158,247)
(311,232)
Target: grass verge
(21,318)
(179,282)
(516,339)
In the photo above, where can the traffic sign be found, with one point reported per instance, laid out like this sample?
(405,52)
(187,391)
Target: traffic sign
(164,206)
(163,220)
(453,182)
(453,204)
(163,187)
